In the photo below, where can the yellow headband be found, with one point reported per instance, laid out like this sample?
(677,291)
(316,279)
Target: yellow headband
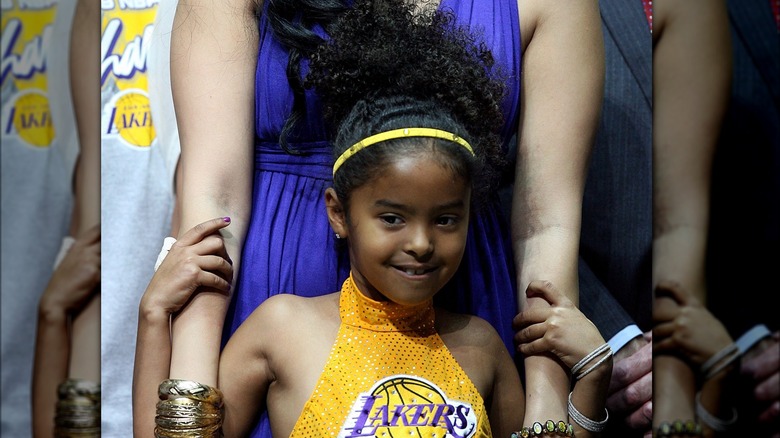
(399,133)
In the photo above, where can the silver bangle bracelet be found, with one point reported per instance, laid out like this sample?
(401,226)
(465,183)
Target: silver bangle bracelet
(601,361)
(722,364)
(575,370)
(730,349)
(712,421)
(586,423)
(577,366)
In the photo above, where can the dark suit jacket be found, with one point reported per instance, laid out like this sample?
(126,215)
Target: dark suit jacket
(744,244)
(616,243)
(616,240)
(744,251)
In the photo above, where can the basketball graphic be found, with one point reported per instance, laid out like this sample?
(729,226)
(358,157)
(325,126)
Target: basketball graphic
(403,390)
(32,119)
(408,406)
(133,119)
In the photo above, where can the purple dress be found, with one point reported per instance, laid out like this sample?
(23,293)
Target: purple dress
(290,247)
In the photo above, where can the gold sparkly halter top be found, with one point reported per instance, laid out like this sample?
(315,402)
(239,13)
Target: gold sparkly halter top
(390,375)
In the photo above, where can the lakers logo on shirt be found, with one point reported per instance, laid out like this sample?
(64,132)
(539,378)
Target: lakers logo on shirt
(31,118)
(26,36)
(127,32)
(408,406)
(130,118)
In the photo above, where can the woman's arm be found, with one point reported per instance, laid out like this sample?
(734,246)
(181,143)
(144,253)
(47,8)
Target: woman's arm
(213,58)
(562,83)
(691,80)
(84,67)
(691,73)
(84,74)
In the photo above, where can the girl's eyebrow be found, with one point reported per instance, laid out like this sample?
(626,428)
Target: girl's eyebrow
(390,204)
(458,203)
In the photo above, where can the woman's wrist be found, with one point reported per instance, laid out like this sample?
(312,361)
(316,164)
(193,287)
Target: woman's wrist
(543,400)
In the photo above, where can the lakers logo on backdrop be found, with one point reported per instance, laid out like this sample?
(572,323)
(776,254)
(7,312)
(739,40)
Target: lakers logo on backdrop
(126,34)
(26,36)
(408,406)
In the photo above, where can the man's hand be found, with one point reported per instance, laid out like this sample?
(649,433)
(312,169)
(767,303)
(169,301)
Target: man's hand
(631,386)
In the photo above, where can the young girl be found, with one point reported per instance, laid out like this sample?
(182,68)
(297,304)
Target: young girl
(236,75)
(415,149)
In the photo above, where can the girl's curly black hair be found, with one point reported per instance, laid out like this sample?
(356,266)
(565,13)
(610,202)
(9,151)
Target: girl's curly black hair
(392,64)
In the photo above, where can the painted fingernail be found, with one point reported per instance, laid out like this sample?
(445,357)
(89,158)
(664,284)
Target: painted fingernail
(226,218)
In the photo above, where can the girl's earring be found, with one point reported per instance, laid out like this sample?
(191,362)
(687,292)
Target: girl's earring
(338,236)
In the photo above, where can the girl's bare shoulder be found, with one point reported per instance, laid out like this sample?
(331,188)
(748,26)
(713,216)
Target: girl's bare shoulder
(475,345)
(463,330)
(293,312)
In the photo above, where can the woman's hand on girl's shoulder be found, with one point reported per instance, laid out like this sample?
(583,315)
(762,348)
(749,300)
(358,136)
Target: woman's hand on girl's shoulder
(198,258)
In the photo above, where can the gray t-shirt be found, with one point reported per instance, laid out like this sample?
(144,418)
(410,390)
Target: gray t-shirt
(39,151)
(139,157)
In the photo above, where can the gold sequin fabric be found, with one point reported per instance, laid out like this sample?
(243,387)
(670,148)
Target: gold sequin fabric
(390,375)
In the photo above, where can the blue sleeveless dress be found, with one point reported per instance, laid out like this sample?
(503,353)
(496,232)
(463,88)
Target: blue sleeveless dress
(290,247)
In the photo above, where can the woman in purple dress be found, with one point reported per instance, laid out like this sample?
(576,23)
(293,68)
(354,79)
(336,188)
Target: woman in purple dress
(234,164)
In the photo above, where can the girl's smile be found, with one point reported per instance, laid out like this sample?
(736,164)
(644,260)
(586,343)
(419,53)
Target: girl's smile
(406,228)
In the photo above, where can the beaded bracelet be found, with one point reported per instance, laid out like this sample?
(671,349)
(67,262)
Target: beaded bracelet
(550,428)
(678,427)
